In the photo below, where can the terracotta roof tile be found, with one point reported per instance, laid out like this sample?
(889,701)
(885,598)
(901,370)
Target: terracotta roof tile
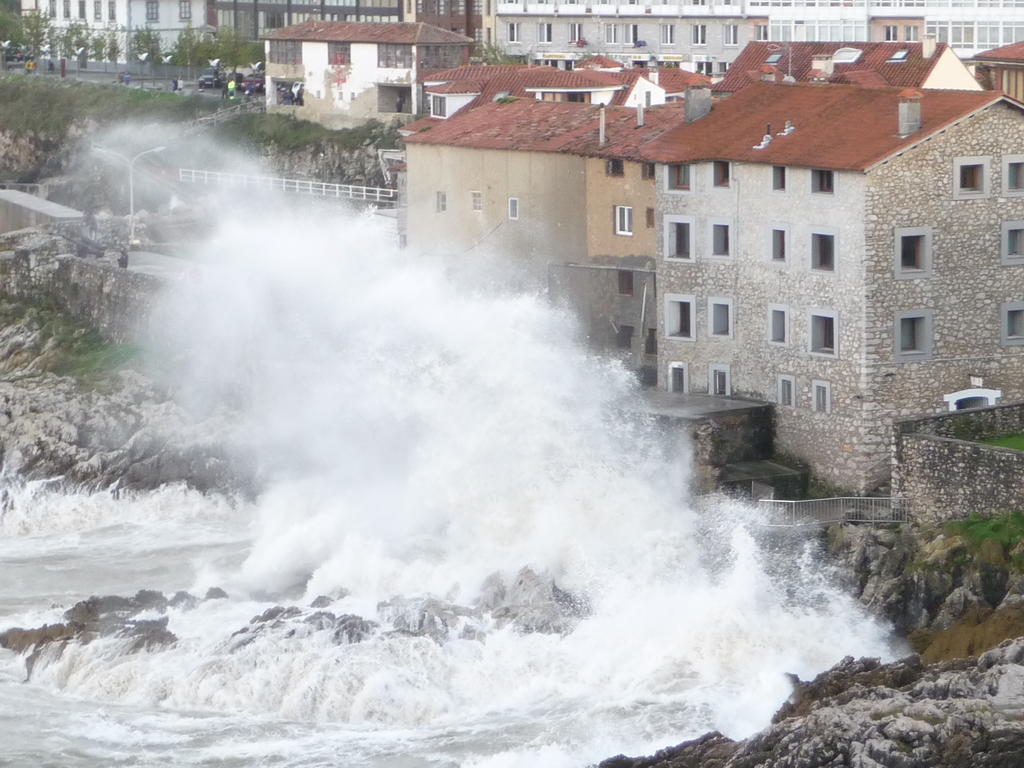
(675,80)
(351,32)
(1012,52)
(598,62)
(876,58)
(841,127)
(471,72)
(459,86)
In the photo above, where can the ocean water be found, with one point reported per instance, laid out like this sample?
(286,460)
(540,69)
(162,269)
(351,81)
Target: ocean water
(418,426)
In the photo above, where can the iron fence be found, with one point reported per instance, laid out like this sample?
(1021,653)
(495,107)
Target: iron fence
(846,509)
(376,195)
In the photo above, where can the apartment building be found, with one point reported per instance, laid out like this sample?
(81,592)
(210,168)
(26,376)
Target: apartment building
(855,255)
(1002,69)
(256,18)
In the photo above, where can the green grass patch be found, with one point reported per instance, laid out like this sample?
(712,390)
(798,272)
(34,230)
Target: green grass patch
(286,132)
(1010,441)
(1005,530)
(49,107)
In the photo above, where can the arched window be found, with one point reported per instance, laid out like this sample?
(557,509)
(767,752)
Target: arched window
(972,398)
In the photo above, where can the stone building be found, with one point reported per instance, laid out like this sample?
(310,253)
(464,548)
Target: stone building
(855,255)
(348,73)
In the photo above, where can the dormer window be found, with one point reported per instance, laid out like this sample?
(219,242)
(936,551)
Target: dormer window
(900,55)
(438,106)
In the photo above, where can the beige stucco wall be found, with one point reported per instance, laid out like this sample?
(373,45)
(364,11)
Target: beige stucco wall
(604,192)
(951,74)
(550,188)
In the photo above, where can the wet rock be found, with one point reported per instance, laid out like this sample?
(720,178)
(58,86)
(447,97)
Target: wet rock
(351,629)
(183,600)
(321,602)
(215,593)
(276,614)
(426,616)
(534,603)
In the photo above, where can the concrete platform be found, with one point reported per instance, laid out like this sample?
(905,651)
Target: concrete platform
(19,210)
(692,407)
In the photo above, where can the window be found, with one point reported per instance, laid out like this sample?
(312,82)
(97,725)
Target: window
(53,9)
(67,9)
(668,34)
(391,56)
(720,173)
(512,31)
(731,34)
(700,34)
(111,10)
(611,33)
(913,335)
(779,178)
(81,9)
(614,167)
(513,208)
(649,217)
(822,182)
(1013,323)
(152,10)
(477,200)
(720,241)
(624,337)
(625,282)
(778,244)
(774,58)
(890,33)
(339,54)
(678,377)
(720,317)
(544,32)
(680,321)
(651,342)
(647,171)
(438,106)
(575,32)
(1013,242)
(761,33)
(678,177)
(911,34)
(898,56)
(823,333)
(778,325)
(441,202)
(285,52)
(718,380)
(822,393)
(823,252)
(1013,175)
(913,252)
(632,33)
(970,177)
(678,238)
(97,10)
(623,220)
(786,388)
(184,10)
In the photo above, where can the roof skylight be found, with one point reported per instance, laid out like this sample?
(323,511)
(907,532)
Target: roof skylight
(846,55)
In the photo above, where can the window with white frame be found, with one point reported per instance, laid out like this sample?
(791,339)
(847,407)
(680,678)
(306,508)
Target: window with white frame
(1012,332)
(911,34)
(678,377)
(823,333)
(668,34)
(785,391)
(970,177)
(761,33)
(821,396)
(632,33)
(823,251)
(778,178)
(913,253)
(731,34)
(438,105)
(575,31)
(822,181)
(777,244)
(913,332)
(699,34)
(623,215)
(1013,175)
(721,240)
(513,208)
(441,202)
(720,324)
(719,380)
(611,33)
(891,33)
(778,325)
(678,237)
(1013,242)
(544,32)
(680,317)
(477,200)
(512,31)
(677,177)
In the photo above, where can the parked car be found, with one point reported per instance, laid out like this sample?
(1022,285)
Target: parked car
(257,81)
(210,78)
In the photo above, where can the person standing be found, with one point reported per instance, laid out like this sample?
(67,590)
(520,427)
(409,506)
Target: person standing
(232,86)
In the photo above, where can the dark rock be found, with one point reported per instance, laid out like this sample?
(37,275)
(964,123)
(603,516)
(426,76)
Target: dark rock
(321,602)
(183,600)
(351,629)
(215,593)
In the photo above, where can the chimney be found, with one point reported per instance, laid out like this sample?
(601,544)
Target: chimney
(909,112)
(823,62)
(652,75)
(639,115)
(600,129)
(768,73)
(928,46)
(698,102)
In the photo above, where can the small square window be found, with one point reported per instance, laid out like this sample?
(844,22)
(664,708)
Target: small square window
(822,394)
(720,240)
(786,387)
(823,252)
(442,202)
(1013,242)
(647,171)
(623,220)
(720,317)
(778,245)
(513,208)
(913,335)
(477,200)
(679,316)
(614,167)
(678,238)
(822,182)
(678,378)
(913,256)
(823,334)
(718,380)
(624,337)
(1013,175)
(912,251)
(970,177)
(1012,332)
(720,173)
(778,325)
(779,178)
(626,282)
(678,177)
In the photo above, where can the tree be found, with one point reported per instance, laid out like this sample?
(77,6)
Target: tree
(146,45)
(98,48)
(233,50)
(492,53)
(76,36)
(187,49)
(10,28)
(35,28)
(112,41)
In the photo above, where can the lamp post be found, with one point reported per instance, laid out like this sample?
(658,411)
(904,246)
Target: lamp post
(131,182)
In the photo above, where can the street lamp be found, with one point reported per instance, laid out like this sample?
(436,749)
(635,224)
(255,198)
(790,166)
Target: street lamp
(131,182)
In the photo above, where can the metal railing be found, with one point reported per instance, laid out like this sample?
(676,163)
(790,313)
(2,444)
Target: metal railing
(847,509)
(226,113)
(377,195)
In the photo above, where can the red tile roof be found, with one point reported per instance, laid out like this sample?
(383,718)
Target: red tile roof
(1012,52)
(459,86)
(543,126)
(418,125)
(351,32)
(797,58)
(676,80)
(598,62)
(840,127)
(472,72)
